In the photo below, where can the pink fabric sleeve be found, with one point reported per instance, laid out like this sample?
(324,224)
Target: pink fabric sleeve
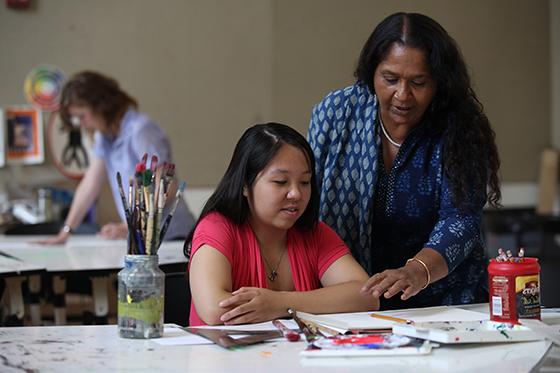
(330,247)
(214,230)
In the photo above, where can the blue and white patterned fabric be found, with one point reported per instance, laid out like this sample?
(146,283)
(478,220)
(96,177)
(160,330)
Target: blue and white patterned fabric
(387,217)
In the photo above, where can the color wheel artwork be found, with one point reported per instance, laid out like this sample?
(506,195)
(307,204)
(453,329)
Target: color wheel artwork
(43,87)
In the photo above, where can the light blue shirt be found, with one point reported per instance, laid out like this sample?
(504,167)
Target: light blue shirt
(138,135)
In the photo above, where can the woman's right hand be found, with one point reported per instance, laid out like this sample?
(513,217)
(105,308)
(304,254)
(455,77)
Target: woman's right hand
(249,305)
(408,279)
(59,239)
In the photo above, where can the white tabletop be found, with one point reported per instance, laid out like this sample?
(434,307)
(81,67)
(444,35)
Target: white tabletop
(80,253)
(9,267)
(99,349)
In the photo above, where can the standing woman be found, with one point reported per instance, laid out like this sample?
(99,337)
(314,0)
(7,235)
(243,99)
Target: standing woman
(406,160)
(122,136)
(258,247)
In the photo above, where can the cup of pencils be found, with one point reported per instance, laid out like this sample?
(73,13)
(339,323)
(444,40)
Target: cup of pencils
(141,283)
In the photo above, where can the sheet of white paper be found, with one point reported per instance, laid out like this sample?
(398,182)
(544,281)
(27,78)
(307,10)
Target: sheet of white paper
(173,336)
(550,332)
(363,320)
(290,324)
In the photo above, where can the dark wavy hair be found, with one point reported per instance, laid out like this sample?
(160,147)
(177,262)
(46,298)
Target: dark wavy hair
(100,93)
(253,152)
(470,155)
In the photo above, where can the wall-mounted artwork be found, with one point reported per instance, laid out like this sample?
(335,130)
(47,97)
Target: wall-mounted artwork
(24,135)
(69,148)
(43,86)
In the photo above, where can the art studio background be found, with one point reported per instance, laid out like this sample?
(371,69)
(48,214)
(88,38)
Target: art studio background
(207,69)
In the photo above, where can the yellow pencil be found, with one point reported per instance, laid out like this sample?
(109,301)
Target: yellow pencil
(391,318)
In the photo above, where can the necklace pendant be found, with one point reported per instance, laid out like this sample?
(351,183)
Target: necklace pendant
(272,276)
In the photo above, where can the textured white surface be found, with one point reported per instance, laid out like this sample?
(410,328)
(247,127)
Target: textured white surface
(99,349)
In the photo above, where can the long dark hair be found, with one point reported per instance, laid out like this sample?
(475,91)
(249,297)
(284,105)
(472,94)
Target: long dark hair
(100,93)
(256,148)
(470,155)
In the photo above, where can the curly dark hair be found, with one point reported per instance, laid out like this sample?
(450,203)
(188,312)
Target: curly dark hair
(99,92)
(470,155)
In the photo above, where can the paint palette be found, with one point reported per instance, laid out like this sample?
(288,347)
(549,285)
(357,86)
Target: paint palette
(367,345)
(43,86)
(467,332)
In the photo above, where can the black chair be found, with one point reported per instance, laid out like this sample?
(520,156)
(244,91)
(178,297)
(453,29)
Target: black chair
(177,298)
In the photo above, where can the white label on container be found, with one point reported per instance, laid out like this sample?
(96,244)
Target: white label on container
(496,306)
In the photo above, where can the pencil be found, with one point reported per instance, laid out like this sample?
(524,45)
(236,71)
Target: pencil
(391,318)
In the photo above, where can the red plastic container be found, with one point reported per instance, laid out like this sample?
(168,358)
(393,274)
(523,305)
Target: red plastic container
(514,290)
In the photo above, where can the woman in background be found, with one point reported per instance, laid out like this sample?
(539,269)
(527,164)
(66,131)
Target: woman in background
(406,160)
(122,137)
(258,247)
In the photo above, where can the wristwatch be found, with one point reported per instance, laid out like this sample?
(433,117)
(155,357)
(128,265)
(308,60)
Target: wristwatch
(67,229)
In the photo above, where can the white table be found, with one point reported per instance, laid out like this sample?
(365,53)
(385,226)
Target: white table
(99,349)
(85,254)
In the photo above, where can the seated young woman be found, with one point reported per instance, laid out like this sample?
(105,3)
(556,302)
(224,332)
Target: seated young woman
(259,248)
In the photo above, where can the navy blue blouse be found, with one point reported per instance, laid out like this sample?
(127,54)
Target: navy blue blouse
(386,218)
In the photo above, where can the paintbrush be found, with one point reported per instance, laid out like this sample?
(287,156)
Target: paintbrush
(123,199)
(150,223)
(140,168)
(170,215)
(169,175)
(153,165)
(159,212)
(131,206)
(157,179)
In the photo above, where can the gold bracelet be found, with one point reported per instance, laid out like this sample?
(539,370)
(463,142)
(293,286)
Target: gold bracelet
(425,267)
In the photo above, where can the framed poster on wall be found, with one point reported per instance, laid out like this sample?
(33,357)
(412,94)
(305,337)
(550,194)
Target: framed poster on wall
(24,135)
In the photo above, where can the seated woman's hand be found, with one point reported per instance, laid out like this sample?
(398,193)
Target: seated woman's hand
(114,231)
(409,280)
(251,305)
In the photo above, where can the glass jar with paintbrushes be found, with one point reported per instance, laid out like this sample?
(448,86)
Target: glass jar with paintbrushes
(141,282)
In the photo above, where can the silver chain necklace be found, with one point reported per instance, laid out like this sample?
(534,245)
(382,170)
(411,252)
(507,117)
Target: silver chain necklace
(387,135)
(274,271)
